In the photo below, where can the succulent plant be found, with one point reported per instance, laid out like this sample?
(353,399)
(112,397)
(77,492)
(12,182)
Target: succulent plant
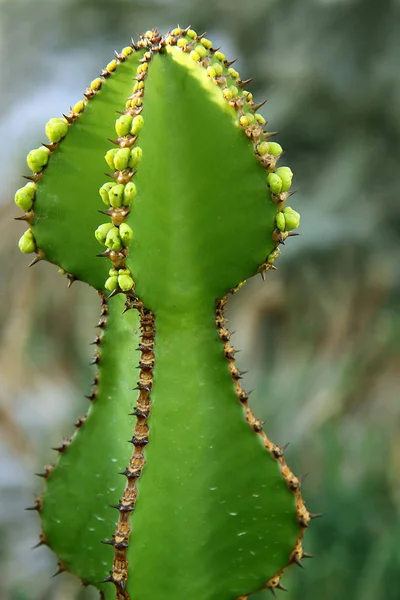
(204,504)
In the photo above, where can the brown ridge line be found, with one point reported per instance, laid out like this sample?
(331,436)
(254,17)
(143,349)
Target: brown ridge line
(293,483)
(63,447)
(120,540)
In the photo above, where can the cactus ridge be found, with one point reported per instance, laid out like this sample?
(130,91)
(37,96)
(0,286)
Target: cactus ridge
(183,339)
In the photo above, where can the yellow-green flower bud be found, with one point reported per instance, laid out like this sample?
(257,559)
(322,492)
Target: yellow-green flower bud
(79,107)
(25,196)
(220,56)
(201,51)
(113,273)
(292,218)
(286,176)
(116,195)
(263,148)
(103,191)
(233,73)
(176,31)
(113,240)
(137,124)
(142,68)
(260,119)
(121,159)
(111,66)
(227,94)
(130,192)
(181,43)
(123,125)
(280,221)
(126,234)
(247,119)
(125,282)
(139,85)
(101,232)
(273,256)
(217,68)
(96,84)
(248,95)
(37,159)
(192,34)
(27,243)
(275,149)
(211,72)
(206,43)
(195,55)
(111,283)
(56,129)
(275,183)
(135,156)
(127,51)
(109,157)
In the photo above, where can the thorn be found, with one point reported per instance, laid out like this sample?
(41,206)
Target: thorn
(95,360)
(109,579)
(243,84)
(71,279)
(30,177)
(40,543)
(36,506)
(282,587)
(110,542)
(49,146)
(96,341)
(228,63)
(298,562)
(126,309)
(250,392)
(293,234)
(260,105)
(44,475)
(39,256)
(302,477)
(272,590)
(315,515)
(91,396)
(116,142)
(307,555)
(24,217)
(285,446)
(60,570)
(103,254)
(68,118)
(262,273)
(114,293)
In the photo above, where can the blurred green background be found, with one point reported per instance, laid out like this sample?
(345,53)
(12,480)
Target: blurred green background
(321,338)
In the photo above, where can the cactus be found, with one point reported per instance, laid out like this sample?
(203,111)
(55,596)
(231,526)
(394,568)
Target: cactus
(193,204)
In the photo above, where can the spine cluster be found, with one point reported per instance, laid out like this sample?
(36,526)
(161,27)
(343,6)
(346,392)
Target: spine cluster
(120,540)
(276,452)
(119,194)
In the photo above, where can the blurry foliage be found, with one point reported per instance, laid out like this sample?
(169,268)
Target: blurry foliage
(321,338)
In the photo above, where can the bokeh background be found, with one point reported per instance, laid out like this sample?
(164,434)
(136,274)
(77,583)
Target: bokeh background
(321,338)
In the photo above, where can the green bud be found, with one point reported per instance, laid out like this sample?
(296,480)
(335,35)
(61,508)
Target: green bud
(192,34)
(96,84)
(181,43)
(116,194)
(211,72)
(126,234)
(280,221)
(273,256)
(206,43)
(109,157)
(56,129)
(195,55)
(79,107)
(37,159)
(129,193)
(111,283)
(27,243)
(127,51)
(25,196)
(286,176)
(137,124)
(220,56)
(135,156)
(113,273)
(275,149)
(125,282)
(233,73)
(123,124)
(247,119)
(124,272)
(263,148)
(292,218)
(201,51)
(103,191)
(275,183)
(113,240)
(121,159)
(102,231)
(217,68)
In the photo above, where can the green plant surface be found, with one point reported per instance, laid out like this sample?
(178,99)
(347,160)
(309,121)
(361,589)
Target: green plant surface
(195,204)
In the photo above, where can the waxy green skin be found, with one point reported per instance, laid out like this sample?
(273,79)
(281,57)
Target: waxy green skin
(214,518)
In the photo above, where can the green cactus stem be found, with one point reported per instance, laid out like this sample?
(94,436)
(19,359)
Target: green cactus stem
(192,205)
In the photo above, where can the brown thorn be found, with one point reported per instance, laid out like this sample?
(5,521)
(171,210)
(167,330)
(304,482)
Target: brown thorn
(116,142)
(258,106)
(272,590)
(24,217)
(40,543)
(298,562)
(307,555)
(228,63)
(315,515)
(102,254)
(39,256)
(68,118)
(114,293)
(60,570)
(243,84)
(281,587)
(36,506)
